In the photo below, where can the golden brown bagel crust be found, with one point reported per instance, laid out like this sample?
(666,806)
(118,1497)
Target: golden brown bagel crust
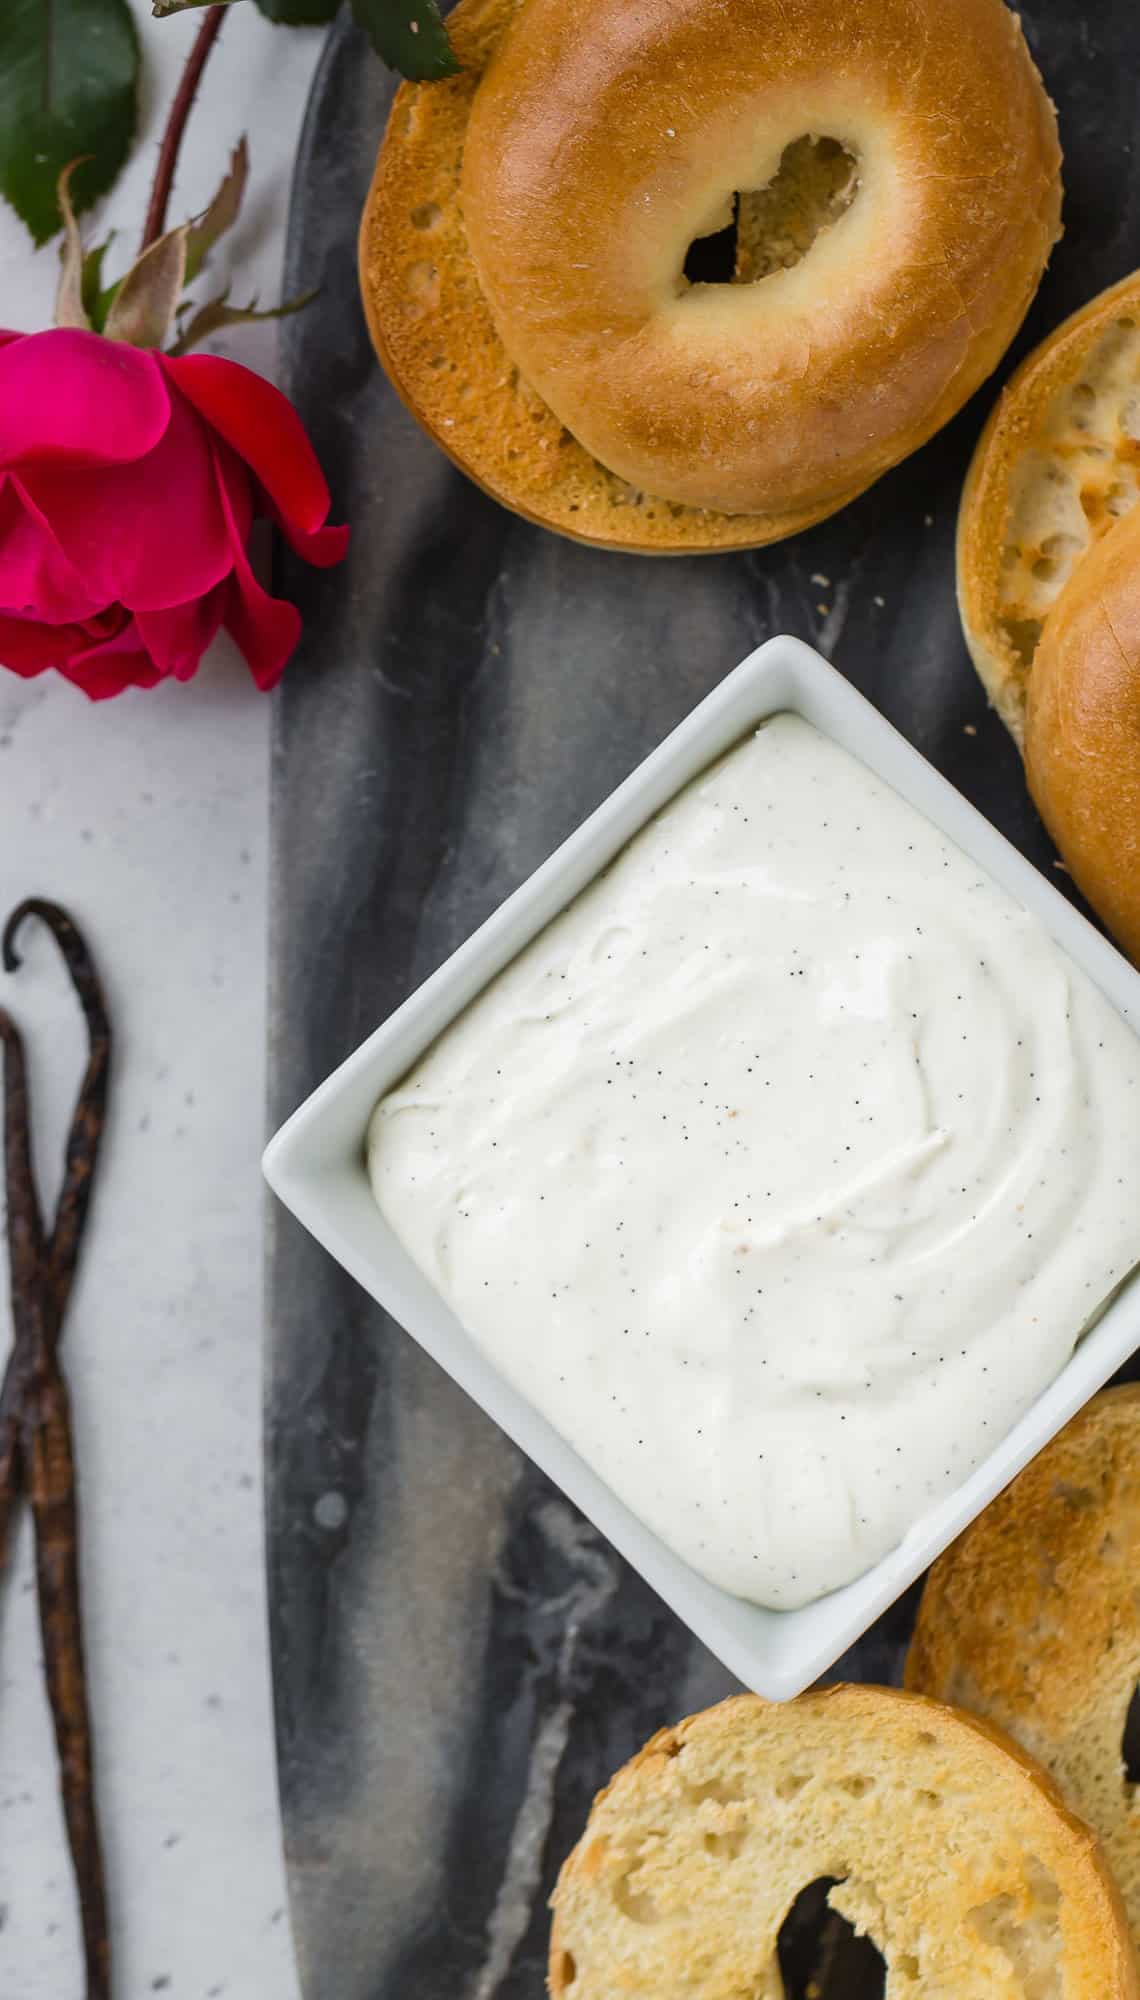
(1032,1619)
(607,134)
(1056,463)
(432,330)
(953,1849)
(1082,735)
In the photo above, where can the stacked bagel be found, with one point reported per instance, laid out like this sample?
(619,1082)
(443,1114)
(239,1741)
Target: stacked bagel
(884,186)
(890,176)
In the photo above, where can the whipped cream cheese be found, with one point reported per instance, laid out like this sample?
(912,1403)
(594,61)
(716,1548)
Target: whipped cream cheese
(781,1172)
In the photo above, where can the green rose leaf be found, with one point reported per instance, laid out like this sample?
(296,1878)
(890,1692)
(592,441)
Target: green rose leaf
(299,13)
(68,76)
(409,36)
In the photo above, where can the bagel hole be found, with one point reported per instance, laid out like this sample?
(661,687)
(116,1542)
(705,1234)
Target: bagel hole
(774,227)
(819,1954)
(711,260)
(816,182)
(1130,1741)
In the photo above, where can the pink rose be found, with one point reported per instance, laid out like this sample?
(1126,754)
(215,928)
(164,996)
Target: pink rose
(129,481)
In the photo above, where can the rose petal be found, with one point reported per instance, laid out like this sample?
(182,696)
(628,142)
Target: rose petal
(237,492)
(36,578)
(327,546)
(265,629)
(77,399)
(146,535)
(28,647)
(177,637)
(264,429)
(108,668)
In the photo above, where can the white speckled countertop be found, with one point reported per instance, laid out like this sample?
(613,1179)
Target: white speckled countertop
(147,815)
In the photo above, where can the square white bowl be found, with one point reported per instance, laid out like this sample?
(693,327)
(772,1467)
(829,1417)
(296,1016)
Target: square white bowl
(316,1162)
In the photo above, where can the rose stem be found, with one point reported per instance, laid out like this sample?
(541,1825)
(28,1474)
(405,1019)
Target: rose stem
(35,1426)
(176,124)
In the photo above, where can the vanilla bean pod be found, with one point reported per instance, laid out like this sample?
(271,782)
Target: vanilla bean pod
(36,1450)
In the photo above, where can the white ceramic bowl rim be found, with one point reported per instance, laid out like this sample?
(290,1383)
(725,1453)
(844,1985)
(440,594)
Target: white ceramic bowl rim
(316,1162)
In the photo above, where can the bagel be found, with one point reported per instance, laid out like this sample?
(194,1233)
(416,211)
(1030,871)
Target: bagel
(945,1844)
(1057,464)
(1082,730)
(1031,1619)
(524,244)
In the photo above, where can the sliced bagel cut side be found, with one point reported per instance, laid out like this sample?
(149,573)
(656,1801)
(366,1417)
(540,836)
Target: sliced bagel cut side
(946,1845)
(1032,1620)
(1057,464)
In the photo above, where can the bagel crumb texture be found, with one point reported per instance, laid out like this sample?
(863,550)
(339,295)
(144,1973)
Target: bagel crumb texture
(952,1852)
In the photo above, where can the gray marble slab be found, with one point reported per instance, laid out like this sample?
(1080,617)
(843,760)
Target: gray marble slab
(459,1659)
